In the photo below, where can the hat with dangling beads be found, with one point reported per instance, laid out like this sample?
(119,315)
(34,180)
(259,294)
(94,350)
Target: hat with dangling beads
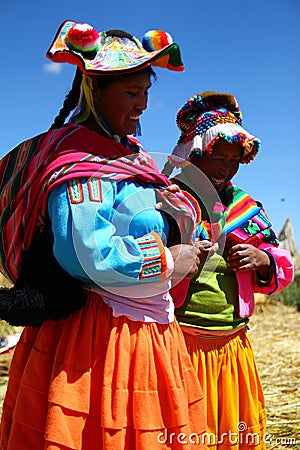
(204,119)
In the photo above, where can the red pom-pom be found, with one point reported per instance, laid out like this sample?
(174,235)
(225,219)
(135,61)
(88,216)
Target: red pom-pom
(82,38)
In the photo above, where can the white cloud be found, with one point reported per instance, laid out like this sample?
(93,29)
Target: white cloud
(52,67)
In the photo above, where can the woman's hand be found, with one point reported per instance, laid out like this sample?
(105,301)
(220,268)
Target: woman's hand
(173,188)
(248,257)
(186,260)
(207,249)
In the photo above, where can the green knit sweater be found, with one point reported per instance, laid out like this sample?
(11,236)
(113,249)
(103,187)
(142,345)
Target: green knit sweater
(212,298)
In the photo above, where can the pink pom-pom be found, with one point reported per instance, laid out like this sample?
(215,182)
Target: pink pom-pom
(155,40)
(83,38)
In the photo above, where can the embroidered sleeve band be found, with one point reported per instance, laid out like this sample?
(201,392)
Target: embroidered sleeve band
(154,256)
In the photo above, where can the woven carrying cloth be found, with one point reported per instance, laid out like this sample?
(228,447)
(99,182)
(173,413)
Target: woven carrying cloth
(56,156)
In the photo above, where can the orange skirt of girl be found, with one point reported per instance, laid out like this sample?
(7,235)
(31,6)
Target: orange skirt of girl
(98,382)
(234,399)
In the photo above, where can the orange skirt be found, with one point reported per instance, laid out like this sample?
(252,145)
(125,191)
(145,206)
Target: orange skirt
(96,382)
(234,399)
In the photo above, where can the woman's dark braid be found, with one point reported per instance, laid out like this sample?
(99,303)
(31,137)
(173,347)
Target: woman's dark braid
(70,101)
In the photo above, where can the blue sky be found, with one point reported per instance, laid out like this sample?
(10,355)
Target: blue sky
(247,48)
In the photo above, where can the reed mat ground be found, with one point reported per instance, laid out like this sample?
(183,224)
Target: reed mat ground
(274,331)
(275,336)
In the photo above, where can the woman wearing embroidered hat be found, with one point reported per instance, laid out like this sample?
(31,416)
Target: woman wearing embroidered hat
(101,363)
(241,256)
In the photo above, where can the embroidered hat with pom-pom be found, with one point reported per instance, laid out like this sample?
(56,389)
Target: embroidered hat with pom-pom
(113,52)
(204,119)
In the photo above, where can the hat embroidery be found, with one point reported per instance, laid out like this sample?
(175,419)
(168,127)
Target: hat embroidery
(99,53)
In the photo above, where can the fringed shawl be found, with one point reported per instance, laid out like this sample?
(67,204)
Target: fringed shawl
(238,219)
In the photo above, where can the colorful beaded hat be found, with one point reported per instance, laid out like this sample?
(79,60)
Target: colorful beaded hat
(100,53)
(203,120)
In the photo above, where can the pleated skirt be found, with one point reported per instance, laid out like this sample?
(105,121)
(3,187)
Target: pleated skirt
(233,394)
(97,382)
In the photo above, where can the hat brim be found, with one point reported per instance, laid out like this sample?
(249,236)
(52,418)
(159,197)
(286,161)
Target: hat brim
(202,144)
(168,57)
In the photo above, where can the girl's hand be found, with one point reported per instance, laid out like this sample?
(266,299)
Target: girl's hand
(248,257)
